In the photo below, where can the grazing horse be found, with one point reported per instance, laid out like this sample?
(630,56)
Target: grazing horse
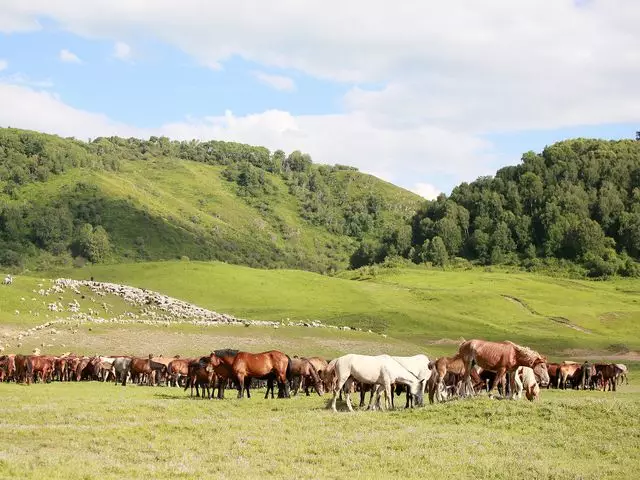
(320,365)
(141,368)
(569,372)
(42,366)
(177,368)
(499,357)
(122,367)
(222,362)
(624,373)
(608,373)
(24,369)
(201,374)
(306,373)
(7,367)
(418,365)
(553,371)
(381,370)
(272,364)
(525,379)
(447,376)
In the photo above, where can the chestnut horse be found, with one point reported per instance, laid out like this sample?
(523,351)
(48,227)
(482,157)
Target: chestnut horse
(222,361)
(306,372)
(499,357)
(272,364)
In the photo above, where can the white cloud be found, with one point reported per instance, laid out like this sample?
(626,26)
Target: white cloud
(277,82)
(426,190)
(23,107)
(3,64)
(479,66)
(68,57)
(122,51)
(22,79)
(348,139)
(446,72)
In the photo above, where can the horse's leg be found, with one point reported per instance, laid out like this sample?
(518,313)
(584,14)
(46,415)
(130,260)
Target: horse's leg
(499,375)
(363,394)
(240,380)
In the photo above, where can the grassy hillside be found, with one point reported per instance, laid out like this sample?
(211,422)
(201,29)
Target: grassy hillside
(164,200)
(416,306)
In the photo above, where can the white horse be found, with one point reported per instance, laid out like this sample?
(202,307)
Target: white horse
(624,371)
(528,383)
(418,365)
(381,370)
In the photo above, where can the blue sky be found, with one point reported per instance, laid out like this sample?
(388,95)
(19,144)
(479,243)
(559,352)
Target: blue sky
(424,104)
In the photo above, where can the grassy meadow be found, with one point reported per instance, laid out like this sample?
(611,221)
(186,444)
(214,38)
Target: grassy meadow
(414,305)
(93,430)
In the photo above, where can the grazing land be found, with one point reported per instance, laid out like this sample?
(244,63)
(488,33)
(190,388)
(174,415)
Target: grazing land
(421,307)
(92,430)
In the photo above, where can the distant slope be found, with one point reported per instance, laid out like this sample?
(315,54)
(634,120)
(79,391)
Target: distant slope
(159,199)
(416,304)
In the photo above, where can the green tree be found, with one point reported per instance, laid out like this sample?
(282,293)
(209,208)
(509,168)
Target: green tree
(438,252)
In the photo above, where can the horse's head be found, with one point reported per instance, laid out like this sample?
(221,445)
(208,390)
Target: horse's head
(542,373)
(533,394)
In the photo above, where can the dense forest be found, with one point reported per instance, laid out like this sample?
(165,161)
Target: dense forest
(575,205)
(126,199)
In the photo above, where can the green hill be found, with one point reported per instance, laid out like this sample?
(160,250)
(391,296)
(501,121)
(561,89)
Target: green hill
(114,199)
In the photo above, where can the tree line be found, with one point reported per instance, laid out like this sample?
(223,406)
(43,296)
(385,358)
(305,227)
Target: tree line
(575,204)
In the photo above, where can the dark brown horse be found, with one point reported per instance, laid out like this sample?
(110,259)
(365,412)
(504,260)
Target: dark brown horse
(201,374)
(498,357)
(553,370)
(222,363)
(272,365)
(24,369)
(7,367)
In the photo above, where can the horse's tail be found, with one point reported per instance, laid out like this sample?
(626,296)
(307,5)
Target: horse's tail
(288,372)
(28,370)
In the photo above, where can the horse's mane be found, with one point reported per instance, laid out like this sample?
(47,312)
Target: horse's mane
(525,352)
(226,352)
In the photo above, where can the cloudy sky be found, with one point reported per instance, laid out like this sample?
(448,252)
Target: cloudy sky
(422,93)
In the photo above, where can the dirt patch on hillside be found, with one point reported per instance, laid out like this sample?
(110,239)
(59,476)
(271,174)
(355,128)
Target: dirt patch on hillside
(567,323)
(517,301)
(613,316)
(561,320)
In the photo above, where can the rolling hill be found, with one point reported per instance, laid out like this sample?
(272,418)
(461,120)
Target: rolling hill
(114,200)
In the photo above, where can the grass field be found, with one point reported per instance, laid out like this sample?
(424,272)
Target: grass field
(91,430)
(97,431)
(414,305)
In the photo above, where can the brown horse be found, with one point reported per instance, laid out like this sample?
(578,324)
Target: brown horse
(306,373)
(272,365)
(448,373)
(42,367)
(7,367)
(321,366)
(568,372)
(553,370)
(498,357)
(177,368)
(24,369)
(222,363)
(201,374)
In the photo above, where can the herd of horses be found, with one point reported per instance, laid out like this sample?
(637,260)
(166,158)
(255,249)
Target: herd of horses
(477,366)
